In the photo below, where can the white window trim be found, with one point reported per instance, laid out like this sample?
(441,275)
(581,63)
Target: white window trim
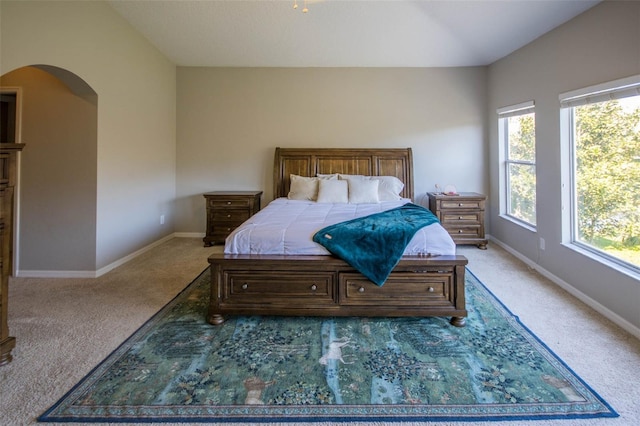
(518,109)
(522,108)
(617,89)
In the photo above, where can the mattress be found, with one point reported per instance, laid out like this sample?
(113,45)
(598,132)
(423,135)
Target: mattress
(287,227)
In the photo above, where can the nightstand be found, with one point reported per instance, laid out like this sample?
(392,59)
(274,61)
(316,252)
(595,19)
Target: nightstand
(226,210)
(461,215)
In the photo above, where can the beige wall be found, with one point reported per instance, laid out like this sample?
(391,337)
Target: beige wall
(58,174)
(135,85)
(231,119)
(601,45)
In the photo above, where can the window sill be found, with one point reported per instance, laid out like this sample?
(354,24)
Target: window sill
(518,222)
(592,254)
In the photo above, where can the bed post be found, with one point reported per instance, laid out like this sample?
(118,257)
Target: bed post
(214,317)
(459,278)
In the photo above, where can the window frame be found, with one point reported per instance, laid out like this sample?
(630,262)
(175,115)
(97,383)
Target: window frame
(504,113)
(615,89)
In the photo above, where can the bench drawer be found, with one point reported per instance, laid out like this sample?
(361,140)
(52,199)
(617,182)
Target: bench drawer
(406,289)
(279,288)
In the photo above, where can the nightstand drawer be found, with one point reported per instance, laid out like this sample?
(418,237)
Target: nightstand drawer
(224,227)
(461,217)
(236,216)
(462,204)
(229,203)
(464,231)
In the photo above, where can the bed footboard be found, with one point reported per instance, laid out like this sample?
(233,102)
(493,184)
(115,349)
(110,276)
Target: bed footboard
(328,286)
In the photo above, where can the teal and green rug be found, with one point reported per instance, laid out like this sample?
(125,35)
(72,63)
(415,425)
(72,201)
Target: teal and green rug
(178,368)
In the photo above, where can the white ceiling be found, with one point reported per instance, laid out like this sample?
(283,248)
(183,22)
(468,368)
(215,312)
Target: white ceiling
(356,33)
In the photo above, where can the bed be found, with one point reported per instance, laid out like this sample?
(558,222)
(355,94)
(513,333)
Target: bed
(423,283)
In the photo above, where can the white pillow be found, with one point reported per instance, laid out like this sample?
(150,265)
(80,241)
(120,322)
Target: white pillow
(363,191)
(303,188)
(346,177)
(390,187)
(329,176)
(333,191)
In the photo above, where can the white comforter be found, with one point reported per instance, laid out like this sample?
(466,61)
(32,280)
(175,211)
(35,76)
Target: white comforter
(287,227)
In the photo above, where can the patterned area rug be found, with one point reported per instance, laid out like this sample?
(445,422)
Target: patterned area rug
(177,367)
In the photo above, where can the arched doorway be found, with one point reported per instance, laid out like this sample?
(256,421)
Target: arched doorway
(56,217)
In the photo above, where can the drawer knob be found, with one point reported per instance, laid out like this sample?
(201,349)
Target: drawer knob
(361,290)
(431,290)
(459,231)
(314,287)
(230,216)
(459,204)
(228,229)
(229,203)
(245,286)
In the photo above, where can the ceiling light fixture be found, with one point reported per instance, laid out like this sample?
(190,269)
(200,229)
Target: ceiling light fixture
(305,9)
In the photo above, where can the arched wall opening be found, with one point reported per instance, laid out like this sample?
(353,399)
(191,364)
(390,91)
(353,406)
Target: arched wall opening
(56,226)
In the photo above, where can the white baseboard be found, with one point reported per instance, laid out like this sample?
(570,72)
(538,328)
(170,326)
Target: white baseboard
(25,273)
(92,274)
(601,309)
(189,234)
(133,255)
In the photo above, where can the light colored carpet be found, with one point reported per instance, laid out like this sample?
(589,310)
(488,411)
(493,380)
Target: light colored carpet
(65,327)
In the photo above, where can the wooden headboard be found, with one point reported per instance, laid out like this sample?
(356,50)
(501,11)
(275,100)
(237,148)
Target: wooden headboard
(396,162)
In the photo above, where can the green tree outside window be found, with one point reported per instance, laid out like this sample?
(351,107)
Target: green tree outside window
(607,177)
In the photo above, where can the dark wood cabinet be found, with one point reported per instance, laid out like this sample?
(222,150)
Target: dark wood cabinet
(461,215)
(8,175)
(226,210)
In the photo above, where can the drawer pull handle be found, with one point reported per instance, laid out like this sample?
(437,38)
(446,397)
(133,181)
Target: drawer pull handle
(245,286)
(431,290)
(361,290)
(229,203)
(314,287)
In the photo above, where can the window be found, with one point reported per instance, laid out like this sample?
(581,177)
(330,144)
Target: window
(603,126)
(517,133)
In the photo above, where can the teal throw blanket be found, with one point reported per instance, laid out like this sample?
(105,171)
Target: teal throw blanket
(374,244)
